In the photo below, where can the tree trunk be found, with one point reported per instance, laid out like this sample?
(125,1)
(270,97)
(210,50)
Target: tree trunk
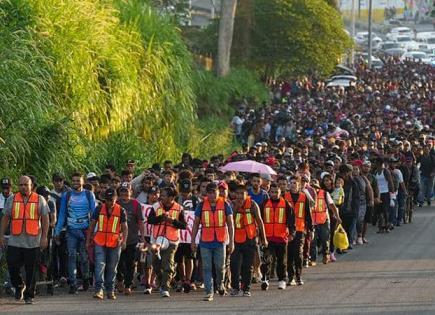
(226,27)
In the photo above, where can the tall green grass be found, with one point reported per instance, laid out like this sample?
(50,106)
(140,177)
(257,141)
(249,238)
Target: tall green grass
(86,82)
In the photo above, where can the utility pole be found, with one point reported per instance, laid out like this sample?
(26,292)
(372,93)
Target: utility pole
(370,34)
(352,32)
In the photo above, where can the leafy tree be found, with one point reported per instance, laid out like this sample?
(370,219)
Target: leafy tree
(288,37)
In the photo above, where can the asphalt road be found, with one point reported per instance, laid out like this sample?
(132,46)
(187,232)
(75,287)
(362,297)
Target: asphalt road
(393,274)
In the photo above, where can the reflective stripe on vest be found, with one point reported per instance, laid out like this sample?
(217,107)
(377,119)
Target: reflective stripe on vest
(167,229)
(275,219)
(245,227)
(25,214)
(299,211)
(213,222)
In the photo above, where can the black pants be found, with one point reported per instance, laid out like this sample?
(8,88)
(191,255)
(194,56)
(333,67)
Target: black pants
(295,256)
(242,261)
(333,226)
(382,211)
(279,251)
(29,258)
(126,265)
(59,259)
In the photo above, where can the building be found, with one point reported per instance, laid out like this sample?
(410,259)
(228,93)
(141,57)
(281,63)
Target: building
(203,11)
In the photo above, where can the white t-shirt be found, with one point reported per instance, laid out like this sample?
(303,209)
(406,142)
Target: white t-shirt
(237,122)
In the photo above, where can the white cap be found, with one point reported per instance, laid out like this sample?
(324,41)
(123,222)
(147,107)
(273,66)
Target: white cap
(91,175)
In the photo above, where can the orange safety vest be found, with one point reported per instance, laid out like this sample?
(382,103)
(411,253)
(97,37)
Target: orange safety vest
(299,209)
(109,228)
(213,222)
(275,219)
(319,213)
(165,229)
(25,213)
(245,227)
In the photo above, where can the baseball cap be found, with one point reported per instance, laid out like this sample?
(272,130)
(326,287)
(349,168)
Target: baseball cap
(211,187)
(131,162)
(43,191)
(185,185)
(266,177)
(367,162)
(6,182)
(223,185)
(154,190)
(125,186)
(110,194)
(91,176)
(329,163)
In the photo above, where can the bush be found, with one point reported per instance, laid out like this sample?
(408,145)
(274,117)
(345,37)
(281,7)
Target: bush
(217,96)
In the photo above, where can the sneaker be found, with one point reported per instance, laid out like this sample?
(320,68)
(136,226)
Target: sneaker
(360,241)
(29,300)
(120,286)
(99,295)
(312,263)
(165,293)
(365,241)
(63,281)
(332,257)
(19,292)
(281,285)
(222,291)
(127,291)
(111,296)
(354,243)
(246,293)
(85,285)
(234,292)
(192,287)
(326,259)
(306,265)
(292,283)
(179,287)
(208,297)
(186,287)
(72,289)
(264,285)
(299,282)
(147,290)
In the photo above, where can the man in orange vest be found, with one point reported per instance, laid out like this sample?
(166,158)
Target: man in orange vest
(216,218)
(279,225)
(168,219)
(320,218)
(247,219)
(303,224)
(109,238)
(28,215)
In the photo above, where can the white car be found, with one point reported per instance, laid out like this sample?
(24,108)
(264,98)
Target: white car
(404,41)
(362,39)
(399,31)
(416,55)
(427,38)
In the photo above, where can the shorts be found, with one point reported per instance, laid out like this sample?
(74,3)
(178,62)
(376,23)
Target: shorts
(183,251)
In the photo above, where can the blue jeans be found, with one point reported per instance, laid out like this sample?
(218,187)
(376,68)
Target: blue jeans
(426,189)
(210,256)
(106,261)
(75,242)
